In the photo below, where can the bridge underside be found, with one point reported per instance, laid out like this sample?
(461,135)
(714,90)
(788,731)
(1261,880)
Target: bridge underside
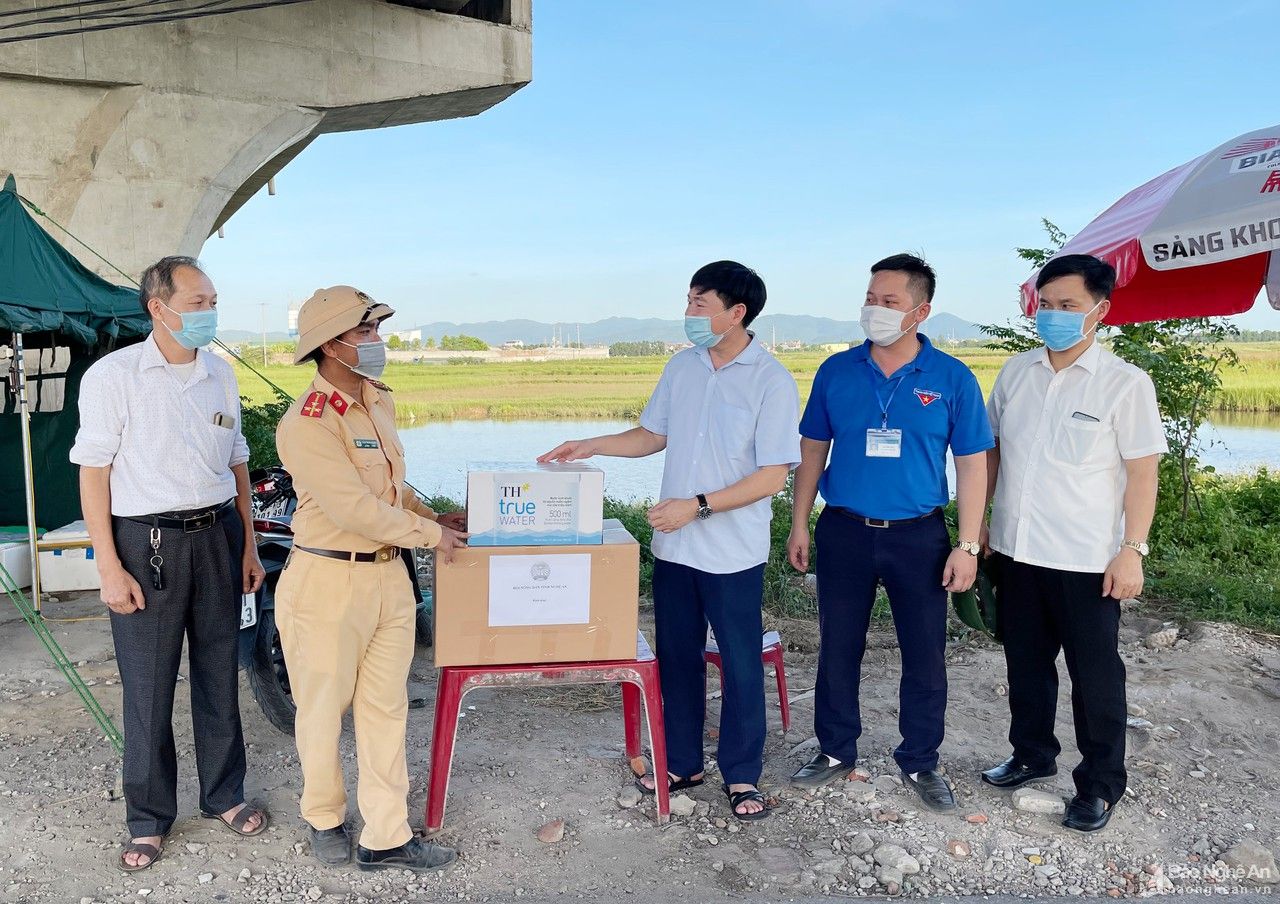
(143,140)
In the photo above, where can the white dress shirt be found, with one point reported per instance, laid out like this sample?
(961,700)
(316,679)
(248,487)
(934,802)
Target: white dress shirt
(721,426)
(156,430)
(1064,438)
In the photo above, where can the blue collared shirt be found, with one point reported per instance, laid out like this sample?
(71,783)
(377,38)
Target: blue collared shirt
(721,426)
(935,401)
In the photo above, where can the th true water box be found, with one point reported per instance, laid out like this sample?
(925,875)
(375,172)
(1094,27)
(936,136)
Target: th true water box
(534,505)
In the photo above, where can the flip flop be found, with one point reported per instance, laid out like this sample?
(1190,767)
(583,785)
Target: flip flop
(237,822)
(150,851)
(737,798)
(679,784)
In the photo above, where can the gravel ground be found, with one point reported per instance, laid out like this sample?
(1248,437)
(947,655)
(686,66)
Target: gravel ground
(1202,809)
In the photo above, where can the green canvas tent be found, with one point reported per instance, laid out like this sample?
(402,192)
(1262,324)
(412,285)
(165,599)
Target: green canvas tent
(63,317)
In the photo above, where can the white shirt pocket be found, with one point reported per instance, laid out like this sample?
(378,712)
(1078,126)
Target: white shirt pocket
(735,430)
(1082,444)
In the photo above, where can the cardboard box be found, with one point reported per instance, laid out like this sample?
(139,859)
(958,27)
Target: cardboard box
(539,505)
(62,570)
(534,604)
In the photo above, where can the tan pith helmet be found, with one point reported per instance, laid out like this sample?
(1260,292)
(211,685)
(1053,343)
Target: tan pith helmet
(331,312)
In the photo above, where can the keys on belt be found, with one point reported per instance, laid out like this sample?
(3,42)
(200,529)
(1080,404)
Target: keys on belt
(385,554)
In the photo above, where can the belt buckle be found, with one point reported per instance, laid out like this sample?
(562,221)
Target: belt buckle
(198,523)
(881,523)
(384,554)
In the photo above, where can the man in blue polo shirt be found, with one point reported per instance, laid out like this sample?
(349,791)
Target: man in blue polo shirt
(891,407)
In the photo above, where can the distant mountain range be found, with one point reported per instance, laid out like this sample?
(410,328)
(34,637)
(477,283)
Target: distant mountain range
(787,327)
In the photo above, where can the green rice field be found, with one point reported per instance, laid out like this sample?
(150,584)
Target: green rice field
(619,387)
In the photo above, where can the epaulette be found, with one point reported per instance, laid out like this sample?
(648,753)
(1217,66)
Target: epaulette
(314,405)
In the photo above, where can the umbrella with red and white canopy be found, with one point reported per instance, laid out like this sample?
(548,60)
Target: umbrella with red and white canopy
(1199,241)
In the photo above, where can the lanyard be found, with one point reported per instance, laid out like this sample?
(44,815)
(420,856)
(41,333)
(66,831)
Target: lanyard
(884,404)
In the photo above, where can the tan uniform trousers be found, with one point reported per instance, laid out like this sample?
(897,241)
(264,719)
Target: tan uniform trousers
(347,630)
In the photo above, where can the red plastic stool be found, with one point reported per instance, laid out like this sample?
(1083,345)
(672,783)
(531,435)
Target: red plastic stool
(639,680)
(771,654)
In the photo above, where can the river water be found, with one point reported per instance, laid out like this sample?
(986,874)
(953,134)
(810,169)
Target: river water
(438,453)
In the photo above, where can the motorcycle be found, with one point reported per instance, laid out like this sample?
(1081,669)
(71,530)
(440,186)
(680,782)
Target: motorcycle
(261,655)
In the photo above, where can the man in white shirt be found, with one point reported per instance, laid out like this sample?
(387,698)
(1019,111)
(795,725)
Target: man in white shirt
(164,486)
(1073,476)
(726,411)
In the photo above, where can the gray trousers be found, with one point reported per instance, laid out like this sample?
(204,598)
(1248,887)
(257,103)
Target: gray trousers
(202,577)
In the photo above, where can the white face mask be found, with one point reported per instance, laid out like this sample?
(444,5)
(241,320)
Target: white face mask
(882,325)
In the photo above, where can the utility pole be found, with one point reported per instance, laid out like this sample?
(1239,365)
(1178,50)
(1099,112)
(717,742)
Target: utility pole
(263,306)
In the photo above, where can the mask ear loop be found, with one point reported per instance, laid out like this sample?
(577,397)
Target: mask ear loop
(1097,323)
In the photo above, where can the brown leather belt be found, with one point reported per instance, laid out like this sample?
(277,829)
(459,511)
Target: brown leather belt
(385,554)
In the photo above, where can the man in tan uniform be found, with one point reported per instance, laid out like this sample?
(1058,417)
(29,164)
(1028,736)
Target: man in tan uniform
(345,605)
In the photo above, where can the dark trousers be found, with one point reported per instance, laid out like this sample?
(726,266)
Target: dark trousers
(1042,611)
(908,559)
(202,577)
(685,600)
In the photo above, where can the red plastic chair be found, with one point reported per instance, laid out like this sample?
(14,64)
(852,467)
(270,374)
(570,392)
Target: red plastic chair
(771,654)
(639,680)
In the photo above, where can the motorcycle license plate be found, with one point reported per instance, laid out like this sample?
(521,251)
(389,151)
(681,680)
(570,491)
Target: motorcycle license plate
(248,610)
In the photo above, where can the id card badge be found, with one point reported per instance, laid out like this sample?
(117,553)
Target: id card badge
(248,610)
(884,443)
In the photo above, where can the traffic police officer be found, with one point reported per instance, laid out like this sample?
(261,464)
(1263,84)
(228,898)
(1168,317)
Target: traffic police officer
(891,407)
(345,603)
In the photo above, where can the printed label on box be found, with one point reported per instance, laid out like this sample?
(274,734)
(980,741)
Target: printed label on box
(539,590)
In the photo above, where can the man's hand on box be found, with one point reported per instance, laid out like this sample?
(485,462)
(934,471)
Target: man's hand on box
(456,521)
(673,514)
(450,542)
(573,450)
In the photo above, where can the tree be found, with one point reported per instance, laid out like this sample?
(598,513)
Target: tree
(462,343)
(416,345)
(431,342)
(636,349)
(395,343)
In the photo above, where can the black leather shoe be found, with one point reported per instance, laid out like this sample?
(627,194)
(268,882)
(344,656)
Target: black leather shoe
(1087,814)
(416,855)
(819,770)
(332,847)
(1011,774)
(933,790)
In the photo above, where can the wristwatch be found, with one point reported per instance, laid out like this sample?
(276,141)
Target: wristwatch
(970,547)
(704,510)
(1138,546)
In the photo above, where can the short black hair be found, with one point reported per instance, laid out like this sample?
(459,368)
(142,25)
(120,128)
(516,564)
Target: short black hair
(1099,276)
(734,282)
(921,279)
(157,280)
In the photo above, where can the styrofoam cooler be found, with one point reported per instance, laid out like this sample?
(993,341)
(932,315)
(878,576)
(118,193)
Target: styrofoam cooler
(16,558)
(63,570)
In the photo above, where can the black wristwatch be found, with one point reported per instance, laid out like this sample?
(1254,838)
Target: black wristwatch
(704,510)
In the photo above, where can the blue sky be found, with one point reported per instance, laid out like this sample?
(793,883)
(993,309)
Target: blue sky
(806,138)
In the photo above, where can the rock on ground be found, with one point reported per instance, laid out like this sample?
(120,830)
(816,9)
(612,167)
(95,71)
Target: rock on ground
(1030,800)
(1257,861)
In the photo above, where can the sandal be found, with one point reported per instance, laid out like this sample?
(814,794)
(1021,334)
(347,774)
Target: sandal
(237,822)
(150,851)
(673,785)
(737,798)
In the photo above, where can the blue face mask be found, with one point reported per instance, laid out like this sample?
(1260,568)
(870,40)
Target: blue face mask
(1060,330)
(699,331)
(198,327)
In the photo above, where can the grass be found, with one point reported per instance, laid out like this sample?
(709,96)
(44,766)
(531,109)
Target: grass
(618,388)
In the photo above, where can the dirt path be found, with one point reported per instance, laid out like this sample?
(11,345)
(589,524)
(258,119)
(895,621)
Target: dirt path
(1204,775)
